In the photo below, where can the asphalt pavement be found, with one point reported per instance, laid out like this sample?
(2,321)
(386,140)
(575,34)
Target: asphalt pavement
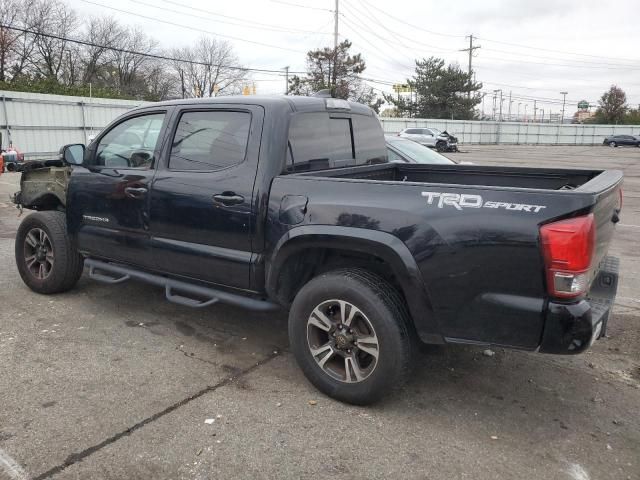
(113,382)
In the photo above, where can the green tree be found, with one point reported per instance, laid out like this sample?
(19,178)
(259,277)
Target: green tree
(440,92)
(613,106)
(632,117)
(338,71)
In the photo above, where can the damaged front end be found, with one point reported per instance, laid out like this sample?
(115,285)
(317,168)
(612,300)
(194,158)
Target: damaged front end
(43,185)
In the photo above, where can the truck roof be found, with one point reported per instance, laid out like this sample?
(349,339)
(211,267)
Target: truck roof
(295,103)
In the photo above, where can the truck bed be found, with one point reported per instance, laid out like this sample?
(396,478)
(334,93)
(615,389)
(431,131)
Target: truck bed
(473,175)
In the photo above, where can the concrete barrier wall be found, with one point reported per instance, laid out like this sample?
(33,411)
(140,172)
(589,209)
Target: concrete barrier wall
(39,124)
(514,133)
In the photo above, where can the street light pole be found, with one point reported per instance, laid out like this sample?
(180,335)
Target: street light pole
(564,99)
(495,95)
(518,116)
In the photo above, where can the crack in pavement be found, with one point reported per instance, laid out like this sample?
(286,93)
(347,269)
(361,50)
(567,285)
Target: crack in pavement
(80,456)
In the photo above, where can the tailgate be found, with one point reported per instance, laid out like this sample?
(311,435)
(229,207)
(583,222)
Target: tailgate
(607,189)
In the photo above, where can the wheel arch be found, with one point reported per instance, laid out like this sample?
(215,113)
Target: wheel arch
(384,254)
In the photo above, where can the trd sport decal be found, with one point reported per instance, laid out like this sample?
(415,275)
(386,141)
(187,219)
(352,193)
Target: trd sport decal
(466,200)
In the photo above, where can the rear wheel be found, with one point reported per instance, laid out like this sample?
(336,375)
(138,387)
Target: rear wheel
(46,258)
(349,332)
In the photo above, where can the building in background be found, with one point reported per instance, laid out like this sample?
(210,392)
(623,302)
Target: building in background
(583,114)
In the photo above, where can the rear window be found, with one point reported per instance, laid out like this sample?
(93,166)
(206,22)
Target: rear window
(210,140)
(321,140)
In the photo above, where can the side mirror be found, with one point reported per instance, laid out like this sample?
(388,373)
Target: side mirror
(73,154)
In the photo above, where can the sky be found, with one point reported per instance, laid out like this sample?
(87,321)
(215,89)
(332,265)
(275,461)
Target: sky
(531,49)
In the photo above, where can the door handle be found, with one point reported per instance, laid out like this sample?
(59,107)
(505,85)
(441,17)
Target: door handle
(135,192)
(228,198)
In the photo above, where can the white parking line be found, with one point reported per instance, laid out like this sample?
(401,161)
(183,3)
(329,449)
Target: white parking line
(628,225)
(9,466)
(9,183)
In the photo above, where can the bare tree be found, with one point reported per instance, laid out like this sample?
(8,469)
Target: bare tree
(128,67)
(103,33)
(52,18)
(208,69)
(160,82)
(10,12)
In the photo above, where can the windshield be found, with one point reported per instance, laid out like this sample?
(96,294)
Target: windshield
(435,131)
(419,153)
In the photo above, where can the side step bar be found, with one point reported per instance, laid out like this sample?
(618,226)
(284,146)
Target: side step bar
(112,274)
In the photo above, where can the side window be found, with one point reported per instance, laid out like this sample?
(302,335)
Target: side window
(130,144)
(369,140)
(319,142)
(210,140)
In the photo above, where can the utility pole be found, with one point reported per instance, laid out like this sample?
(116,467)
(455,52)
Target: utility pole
(510,102)
(542,116)
(470,50)
(495,94)
(518,115)
(483,95)
(525,112)
(535,110)
(336,15)
(500,116)
(564,99)
(286,79)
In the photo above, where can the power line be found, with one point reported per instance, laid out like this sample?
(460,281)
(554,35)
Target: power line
(241,20)
(356,14)
(291,4)
(405,23)
(191,27)
(592,67)
(519,45)
(142,54)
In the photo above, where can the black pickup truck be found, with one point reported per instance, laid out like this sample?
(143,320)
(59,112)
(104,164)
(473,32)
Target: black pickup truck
(289,202)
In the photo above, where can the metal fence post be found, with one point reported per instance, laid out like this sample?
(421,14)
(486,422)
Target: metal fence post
(84,123)
(6,119)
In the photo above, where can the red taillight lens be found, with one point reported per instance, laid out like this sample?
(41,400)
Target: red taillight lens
(568,247)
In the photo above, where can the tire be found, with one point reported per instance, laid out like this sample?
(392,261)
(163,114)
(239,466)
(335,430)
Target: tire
(11,167)
(370,355)
(46,257)
(612,144)
(441,146)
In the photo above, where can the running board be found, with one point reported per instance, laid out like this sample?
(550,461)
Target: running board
(176,291)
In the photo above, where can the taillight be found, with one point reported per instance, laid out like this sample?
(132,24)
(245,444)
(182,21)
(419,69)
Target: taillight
(568,246)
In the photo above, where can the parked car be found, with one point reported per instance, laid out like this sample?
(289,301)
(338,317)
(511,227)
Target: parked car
(431,137)
(403,150)
(622,140)
(282,203)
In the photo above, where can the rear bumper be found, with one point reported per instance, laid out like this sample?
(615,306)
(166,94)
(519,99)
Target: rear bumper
(572,328)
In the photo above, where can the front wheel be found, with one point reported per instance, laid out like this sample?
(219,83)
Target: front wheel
(349,332)
(441,146)
(612,144)
(47,259)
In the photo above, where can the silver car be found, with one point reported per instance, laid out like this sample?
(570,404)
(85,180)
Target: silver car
(431,137)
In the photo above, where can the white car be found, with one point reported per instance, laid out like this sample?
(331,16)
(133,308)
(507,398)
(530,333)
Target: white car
(431,137)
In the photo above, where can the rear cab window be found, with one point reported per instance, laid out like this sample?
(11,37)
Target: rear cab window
(322,140)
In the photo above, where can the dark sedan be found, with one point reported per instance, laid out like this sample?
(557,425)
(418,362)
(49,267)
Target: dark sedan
(622,140)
